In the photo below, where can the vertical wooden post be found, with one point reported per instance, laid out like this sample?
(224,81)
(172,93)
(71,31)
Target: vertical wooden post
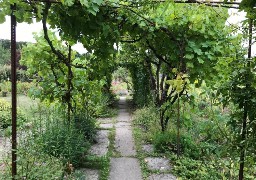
(244,125)
(14,92)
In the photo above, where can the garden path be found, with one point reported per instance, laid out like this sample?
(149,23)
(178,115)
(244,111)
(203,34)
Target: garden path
(127,166)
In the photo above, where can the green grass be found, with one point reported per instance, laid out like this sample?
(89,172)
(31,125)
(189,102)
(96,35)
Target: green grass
(23,101)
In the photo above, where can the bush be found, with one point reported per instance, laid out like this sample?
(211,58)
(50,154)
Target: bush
(146,117)
(187,168)
(5,74)
(24,87)
(87,125)
(5,86)
(167,142)
(6,117)
(65,142)
(33,164)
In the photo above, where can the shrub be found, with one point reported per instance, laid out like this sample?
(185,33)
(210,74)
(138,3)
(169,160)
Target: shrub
(65,142)
(5,86)
(146,117)
(167,142)
(87,125)
(187,168)
(5,73)
(23,87)
(5,115)
(33,164)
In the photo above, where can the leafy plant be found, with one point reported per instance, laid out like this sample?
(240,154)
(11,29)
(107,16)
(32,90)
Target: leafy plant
(85,124)
(32,163)
(65,142)
(146,117)
(5,115)
(167,142)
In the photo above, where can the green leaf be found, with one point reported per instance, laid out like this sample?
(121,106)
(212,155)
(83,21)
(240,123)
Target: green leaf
(2,18)
(198,51)
(99,2)
(189,56)
(84,3)
(68,2)
(200,60)
(190,65)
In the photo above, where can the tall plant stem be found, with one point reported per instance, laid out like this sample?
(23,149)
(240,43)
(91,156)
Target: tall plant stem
(178,128)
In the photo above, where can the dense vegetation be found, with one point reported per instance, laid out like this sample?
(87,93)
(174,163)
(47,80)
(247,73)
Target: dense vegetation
(191,74)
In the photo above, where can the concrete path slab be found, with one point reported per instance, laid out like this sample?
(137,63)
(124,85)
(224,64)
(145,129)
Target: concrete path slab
(101,147)
(106,126)
(123,117)
(104,120)
(156,163)
(91,174)
(148,148)
(162,177)
(123,124)
(125,169)
(124,142)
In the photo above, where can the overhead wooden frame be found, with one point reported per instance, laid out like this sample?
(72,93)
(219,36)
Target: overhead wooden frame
(234,5)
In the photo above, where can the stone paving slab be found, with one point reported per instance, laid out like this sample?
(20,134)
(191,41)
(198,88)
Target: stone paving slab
(156,163)
(101,147)
(124,142)
(105,120)
(148,148)
(162,177)
(124,117)
(125,169)
(106,126)
(123,124)
(91,174)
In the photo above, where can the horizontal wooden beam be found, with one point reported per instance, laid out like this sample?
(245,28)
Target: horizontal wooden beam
(213,3)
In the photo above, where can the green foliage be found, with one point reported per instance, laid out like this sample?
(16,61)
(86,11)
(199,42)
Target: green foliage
(194,169)
(146,117)
(53,79)
(24,87)
(5,55)
(5,86)
(65,142)
(5,115)
(104,107)
(167,142)
(33,164)
(5,73)
(141,87)
(86,124)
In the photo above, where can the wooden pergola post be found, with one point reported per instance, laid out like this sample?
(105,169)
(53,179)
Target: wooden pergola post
(14,92)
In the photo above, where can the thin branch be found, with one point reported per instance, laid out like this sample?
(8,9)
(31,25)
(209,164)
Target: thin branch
(157,55)
(131,40)
(153,62)
(46,36)
(55,77)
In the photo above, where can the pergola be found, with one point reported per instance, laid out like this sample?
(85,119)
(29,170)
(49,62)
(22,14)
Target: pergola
(234,5)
